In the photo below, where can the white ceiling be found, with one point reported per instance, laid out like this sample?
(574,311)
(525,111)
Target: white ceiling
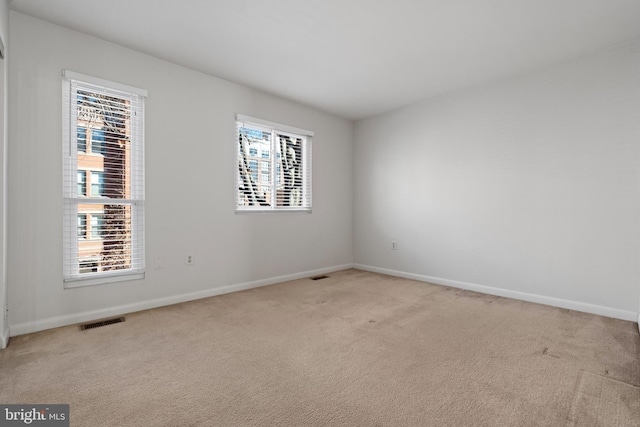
(354,58)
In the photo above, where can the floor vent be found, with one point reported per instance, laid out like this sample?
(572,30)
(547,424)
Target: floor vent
(101,323)
(318,277)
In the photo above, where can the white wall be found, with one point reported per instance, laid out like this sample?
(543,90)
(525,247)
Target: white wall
(190,184)
(4,34)
(527,187)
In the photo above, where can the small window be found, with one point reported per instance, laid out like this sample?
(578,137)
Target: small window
(82,226)
(82,183)
(97,184)
(82,139)
(285,150)
(97,141)
(97,226)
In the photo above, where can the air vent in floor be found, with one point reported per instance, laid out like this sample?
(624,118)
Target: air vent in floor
(100,323)
(318,277)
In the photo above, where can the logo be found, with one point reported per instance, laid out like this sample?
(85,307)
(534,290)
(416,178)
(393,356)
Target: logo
(36,415)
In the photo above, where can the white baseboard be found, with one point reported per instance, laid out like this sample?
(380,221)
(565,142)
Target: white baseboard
(540,299)
(87,316)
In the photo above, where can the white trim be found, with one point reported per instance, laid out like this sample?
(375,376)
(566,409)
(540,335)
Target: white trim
(259,210)
(70,319)
(72,75)
(524,296)
(101,278)
(638,322)
(274,125)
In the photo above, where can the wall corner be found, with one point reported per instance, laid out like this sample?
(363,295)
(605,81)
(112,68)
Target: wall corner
(4,336)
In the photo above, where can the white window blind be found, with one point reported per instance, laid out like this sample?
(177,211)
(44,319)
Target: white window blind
(103,180)
(273,166)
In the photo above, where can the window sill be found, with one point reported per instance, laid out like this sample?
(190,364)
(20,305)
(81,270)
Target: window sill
(274,211)
(100,280)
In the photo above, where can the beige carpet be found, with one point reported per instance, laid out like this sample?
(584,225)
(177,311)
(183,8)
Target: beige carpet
(355,349)
(604,401)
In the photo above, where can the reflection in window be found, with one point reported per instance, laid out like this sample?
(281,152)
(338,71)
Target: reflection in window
(82,226)
(82,183)
(97,141)
(97,184)
(97,226)
(82,139)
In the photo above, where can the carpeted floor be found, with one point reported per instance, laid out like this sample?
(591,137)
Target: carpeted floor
(354,349)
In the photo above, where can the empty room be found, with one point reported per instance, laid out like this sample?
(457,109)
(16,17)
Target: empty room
(320,213)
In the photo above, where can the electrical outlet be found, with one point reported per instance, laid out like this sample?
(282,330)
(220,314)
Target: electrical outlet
(158,263)
(6,311)
(394,245)
(189,260)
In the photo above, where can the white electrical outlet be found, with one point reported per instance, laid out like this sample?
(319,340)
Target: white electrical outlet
(189,260)
(158,263)
(394,245)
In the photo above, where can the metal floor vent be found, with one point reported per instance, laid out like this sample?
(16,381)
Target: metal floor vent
(318,277)
(101,323)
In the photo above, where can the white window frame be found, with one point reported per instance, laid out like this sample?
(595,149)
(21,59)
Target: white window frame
(273,127)
(72,278)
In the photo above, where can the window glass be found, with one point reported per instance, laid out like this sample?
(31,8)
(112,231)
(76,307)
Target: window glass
(97,141)
(82,226)
(82,183)
(288,153)
(97,226)
(97,184)
(82,139)
(103,195)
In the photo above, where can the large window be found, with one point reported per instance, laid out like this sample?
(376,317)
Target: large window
(284,162)
(103,146)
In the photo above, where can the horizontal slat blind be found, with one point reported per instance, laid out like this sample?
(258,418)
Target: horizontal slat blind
(274,166)
(103,178)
